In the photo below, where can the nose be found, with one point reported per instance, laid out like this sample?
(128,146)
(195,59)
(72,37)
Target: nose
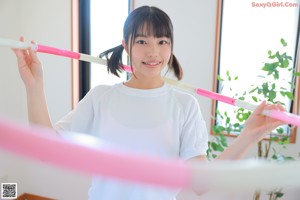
(152,50)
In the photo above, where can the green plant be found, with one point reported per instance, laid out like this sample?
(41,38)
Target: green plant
(268,89)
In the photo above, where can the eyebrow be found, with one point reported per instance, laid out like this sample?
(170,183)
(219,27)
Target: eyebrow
(141,35)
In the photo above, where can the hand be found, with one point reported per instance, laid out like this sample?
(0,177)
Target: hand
(258,125)
(30,67)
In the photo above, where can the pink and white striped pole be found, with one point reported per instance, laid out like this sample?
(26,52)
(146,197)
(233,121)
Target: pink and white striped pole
(276,114)
(283,116)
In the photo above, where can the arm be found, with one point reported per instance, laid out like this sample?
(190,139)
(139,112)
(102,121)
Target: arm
(196,190)
(31,72)
(256,127)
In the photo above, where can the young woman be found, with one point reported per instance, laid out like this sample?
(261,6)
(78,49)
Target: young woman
(143,115)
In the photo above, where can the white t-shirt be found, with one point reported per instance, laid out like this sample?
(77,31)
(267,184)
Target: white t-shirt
(163,122)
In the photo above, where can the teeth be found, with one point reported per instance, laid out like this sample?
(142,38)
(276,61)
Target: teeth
(152,63)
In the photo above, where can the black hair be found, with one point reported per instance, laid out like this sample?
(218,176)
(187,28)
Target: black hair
(157,23)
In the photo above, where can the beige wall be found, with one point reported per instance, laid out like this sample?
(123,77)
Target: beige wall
(49,22)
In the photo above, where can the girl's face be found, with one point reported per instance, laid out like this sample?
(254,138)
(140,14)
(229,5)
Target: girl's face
(149,55)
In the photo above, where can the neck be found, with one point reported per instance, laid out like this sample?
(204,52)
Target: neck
(144,84)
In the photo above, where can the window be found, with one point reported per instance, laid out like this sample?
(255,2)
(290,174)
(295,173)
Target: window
(107,21)
(97,25)
(247,31)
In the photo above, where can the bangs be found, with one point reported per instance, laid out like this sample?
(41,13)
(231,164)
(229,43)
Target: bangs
(153,26)
(148,21)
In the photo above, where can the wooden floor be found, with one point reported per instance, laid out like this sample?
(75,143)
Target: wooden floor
(27,196)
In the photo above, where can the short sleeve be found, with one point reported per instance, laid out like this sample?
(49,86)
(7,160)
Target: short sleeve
(194,136)
(81,117)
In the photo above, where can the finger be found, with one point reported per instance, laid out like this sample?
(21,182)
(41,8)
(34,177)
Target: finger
(33,53)
(276,124)
(259,108)
(22,55)
(280,107)
(21,39)
(276,106)
(271,107)
(271,125)
(20,52)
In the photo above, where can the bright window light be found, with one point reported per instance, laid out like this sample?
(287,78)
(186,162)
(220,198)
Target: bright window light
(107,19)
(249,30)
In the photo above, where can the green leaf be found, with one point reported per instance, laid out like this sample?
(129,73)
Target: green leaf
(283,42)
(253,90)
(225,113)
(254,98)
(278,55)
(223,138)
(285,63)
(289,158)
(282,93)
(215,129)
(297,74)
(269,67)
(228,75)
(220,78)
(279,130)
(272,56)
(269,52)
(276,75)
(274,157)
(228,129)
(290,95)
(227,120)
(236,125)
(274,138)
(221,128)
(272,95)
(242,98)
(217,147)
(220,148)
(224,143)
(273,86)
(214,146)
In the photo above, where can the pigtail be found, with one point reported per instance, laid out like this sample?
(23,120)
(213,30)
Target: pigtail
(175,65)
(114,62)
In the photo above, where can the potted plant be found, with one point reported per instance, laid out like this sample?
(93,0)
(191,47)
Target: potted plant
(266,90)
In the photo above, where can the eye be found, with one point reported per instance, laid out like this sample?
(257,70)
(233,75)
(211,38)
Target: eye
(164,42)
(141,42)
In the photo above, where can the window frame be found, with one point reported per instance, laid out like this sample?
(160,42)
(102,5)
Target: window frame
(218,38)
(80,36)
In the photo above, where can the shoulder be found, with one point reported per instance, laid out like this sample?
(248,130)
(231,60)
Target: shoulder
(183,97)
(101,90)
(185,101)
(98,92)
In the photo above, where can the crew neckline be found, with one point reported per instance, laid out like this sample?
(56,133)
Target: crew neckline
(143,92)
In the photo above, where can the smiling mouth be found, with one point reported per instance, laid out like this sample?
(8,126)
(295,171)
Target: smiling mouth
(151,64)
